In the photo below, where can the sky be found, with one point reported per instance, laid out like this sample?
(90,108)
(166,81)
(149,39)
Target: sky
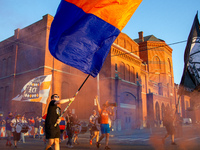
(169,20)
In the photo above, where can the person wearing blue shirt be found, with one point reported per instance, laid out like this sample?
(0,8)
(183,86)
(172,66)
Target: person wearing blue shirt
(9,128)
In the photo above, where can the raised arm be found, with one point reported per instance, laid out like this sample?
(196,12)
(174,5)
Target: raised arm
(98,105)
(62,101)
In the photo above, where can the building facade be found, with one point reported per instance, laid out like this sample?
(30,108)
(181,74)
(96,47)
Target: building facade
(137,75)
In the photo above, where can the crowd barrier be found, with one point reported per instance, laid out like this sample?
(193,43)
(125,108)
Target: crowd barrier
(3,131)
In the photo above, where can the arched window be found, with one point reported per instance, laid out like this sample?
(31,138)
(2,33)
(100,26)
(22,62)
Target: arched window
(157,107)
(132,76)
(116,69)
(122,70)
(163,110)
(127,73)
(157,63)
(169,66)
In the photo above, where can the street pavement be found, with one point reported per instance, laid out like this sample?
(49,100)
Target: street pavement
(138,139)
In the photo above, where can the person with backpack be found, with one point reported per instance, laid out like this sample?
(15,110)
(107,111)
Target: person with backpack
(94,127)
(104,122)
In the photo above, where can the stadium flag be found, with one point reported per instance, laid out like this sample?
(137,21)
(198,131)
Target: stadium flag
(83,31)
(36,90)
(191,73)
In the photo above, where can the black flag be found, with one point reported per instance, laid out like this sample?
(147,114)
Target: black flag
(191,73)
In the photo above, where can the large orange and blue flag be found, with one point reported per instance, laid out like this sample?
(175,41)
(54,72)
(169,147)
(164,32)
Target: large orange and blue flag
(83,31)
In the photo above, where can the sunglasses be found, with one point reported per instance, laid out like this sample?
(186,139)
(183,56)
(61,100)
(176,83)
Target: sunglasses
(56,96)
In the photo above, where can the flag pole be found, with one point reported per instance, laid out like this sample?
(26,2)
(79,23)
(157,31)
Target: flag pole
(74,97)
(98,93)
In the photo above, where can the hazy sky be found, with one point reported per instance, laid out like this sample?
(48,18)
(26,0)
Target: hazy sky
(169,20)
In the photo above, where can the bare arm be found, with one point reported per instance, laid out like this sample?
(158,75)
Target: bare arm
(98,105)
(62,101)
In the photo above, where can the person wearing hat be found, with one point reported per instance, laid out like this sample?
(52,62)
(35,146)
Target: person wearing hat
(16,124)
(9,128)
(52,130)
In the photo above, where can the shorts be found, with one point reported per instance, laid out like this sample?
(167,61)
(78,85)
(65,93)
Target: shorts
(16,136)
(52,133)
(9,133)
(105,128)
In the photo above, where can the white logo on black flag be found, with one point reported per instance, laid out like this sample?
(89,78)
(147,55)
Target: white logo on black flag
(191,73)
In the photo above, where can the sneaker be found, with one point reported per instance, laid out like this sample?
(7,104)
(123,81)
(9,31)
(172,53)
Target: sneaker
(70,146)
(90,142)
(15,147)
(76,143)
(173,143)
(98,144)
(107,148)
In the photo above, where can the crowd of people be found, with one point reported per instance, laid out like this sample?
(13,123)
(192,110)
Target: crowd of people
(17,126)
(56,128)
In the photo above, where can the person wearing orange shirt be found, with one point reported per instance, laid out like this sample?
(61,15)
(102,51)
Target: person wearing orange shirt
(31,121)
(104,124)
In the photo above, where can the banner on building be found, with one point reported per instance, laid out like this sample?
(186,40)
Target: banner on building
(83,31)
(191,73)
(36,90)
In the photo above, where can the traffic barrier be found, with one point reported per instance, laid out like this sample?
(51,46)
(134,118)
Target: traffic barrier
(3,131)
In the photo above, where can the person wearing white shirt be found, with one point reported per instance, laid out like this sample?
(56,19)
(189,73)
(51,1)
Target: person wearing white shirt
(16,130)
(24,122)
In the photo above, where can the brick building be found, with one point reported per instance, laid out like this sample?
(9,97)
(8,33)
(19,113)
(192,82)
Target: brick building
(137,75)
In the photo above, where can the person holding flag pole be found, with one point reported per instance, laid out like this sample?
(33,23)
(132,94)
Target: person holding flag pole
(52,132)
